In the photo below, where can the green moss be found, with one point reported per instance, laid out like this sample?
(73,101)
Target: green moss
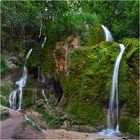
(129,54)
(129,125)
(4,94)
(27,98)
(3,67)
(90,76)
(132,54)
(85,113)
(3,101)
(47,60)
(5,90)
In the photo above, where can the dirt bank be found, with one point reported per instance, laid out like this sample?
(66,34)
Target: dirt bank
(15,128)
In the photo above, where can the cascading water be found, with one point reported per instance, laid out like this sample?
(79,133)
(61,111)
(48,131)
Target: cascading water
(17,93)
(112,116)
(108,36)
(40,30)
(44,42)
(43,90)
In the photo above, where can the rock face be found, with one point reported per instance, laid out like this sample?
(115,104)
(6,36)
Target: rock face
(63,51)
(10,59)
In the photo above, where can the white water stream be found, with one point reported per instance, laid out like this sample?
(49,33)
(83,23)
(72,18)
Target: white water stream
(112,116)
(108,36)
(16,95)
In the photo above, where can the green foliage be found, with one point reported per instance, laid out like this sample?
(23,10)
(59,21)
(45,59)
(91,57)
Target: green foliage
(95,35)
(52,121)
(79,23)
(3,67)
(4,94)
(20,26)
(27,98)
(6,89)
(3,101)
(121,17)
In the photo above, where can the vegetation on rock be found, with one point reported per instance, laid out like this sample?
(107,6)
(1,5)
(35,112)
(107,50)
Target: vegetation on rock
(86,82)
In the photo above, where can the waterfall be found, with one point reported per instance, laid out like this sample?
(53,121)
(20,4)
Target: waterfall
(108,36)
(18,92)
(113,103)
(40,30)
(43,90)
(41,76)
(112,116)
(43,93)
(44,42)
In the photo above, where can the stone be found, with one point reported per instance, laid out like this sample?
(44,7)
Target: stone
(4,113)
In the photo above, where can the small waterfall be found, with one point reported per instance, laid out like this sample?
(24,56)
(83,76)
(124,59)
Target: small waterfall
(108,36)
(40,30)
(41,76)
(27,118)
(44,42)
(17,93)
(43,93)
(113,103)
(112,116)
(43,90)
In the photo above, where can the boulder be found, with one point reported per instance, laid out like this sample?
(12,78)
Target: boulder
(4,113)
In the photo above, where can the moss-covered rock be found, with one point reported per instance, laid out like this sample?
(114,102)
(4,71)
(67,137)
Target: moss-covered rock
(90,75)
(88,85)
(4,113)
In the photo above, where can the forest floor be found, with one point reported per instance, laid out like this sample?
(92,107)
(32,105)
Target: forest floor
(15,127)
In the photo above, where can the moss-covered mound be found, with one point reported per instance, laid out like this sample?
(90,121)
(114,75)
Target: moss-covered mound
(87,88)
(90,75)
